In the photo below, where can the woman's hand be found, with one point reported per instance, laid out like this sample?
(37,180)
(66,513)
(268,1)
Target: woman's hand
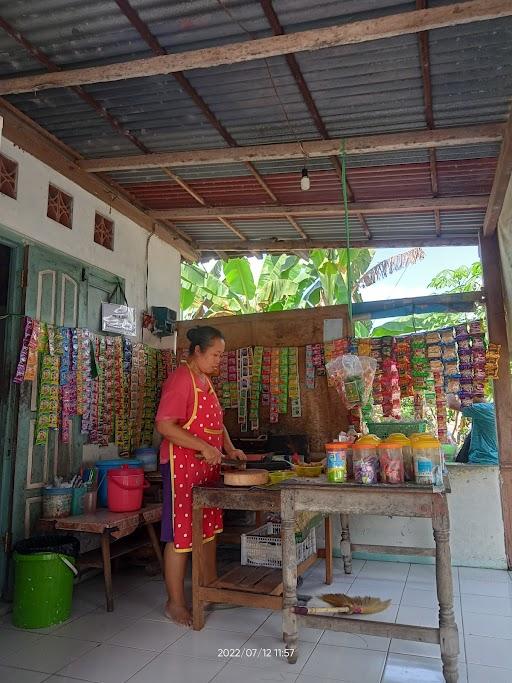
(211,454)
(236,454)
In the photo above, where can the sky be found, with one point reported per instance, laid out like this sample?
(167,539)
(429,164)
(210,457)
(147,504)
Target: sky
(413,281)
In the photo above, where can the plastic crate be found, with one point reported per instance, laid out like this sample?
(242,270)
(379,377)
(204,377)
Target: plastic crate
(262,547)
(384,429)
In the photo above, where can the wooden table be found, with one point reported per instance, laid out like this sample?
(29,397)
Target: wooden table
(111,526)
(408,500)
(246,586)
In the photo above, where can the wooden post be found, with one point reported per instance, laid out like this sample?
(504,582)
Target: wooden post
(491,267)
(290,628)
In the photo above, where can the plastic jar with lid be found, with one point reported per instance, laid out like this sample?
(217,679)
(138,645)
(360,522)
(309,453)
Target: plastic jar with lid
(423,462)
(337,461)
(391,463)
(365,463)
(369,439)
(406,452)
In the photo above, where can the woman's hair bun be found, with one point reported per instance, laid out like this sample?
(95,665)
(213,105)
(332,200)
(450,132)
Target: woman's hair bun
(202,336)
(192,334)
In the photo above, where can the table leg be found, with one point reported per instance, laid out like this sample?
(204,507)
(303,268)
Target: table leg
(156,545)
(448,632)
(328,550)
(346,551)
(197,568)
(107,570)
(290,632)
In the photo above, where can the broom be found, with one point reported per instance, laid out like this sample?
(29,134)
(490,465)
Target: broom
(344,604)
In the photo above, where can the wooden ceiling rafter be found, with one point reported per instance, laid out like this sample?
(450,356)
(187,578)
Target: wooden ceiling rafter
(424,51)
(153,43)
(317,149)
(380,207)
(297,246)
(352,33)
(500,182)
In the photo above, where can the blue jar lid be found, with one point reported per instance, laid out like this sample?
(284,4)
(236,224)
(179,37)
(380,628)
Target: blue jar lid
(117,462)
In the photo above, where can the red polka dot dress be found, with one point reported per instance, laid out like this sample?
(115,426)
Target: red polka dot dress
(187,471)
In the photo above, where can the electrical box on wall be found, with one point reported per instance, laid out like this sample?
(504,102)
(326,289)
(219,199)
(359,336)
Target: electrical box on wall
(164,321)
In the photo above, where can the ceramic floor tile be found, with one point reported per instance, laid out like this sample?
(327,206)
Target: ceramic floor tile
(273,627)
(318,587)
(420,597)
(394,571)
(258,649)
(354,640)
(9,675)
(108,664)
(495,590)
(235,673)
(489,652)
(6,621)
(149,635)
(405,669)
(488,625)
(383,588)
(481,604)
(97,626)
(238,619)
(64,679)
(172,668)
(487,674)
(347,664)
(12,640)
(478,574)
(208,644)
(49,654)
(423,616)
(410,647)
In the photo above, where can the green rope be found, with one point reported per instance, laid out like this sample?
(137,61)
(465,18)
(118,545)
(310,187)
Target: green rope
(347,228)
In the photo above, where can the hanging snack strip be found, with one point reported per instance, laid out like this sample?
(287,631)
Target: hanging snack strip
(376,354)
(390,380)
(319,359)
(222,383)
(283,381)
(95,389)
(257,366)
(48,398)
(310,368)
(138,382)
(149,396)
(274,386)
(479,354)
(492,357)
(465,355)
(435,354)
(403,358)
(265,377)
(244,379)
(31,367)
(67,381)
(293,381)
(24,351)
(233,379)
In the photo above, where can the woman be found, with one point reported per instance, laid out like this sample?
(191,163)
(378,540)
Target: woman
(190,419)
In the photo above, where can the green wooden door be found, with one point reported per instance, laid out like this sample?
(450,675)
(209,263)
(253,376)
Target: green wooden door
(61,291)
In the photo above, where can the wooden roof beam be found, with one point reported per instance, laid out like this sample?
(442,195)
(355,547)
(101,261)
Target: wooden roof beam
(261,48)
(385,206)
(500,183)
(364,144)
(298,245)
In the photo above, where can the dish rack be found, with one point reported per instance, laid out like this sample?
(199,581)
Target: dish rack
(262,547)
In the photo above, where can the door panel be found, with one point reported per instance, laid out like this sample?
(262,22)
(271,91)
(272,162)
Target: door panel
(60,291)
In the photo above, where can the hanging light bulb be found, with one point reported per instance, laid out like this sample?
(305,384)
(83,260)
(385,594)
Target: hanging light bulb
(305,182)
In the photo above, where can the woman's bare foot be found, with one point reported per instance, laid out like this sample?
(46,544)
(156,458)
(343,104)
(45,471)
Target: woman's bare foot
(179,614)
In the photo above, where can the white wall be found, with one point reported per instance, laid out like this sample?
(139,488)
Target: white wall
(27,216)
(477,536)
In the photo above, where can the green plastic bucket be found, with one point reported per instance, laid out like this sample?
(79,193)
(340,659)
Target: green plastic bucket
(43,589)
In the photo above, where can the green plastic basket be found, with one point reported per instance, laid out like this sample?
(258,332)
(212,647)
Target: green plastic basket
(384,429)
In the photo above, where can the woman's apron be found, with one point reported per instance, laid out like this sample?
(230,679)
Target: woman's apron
(187,471)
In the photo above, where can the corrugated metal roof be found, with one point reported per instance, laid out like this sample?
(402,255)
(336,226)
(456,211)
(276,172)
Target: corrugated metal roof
(358,89)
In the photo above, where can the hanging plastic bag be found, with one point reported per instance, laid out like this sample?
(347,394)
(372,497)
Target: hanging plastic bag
(352,376)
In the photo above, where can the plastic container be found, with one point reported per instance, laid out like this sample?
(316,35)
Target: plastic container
(384,429)
(308,470)
(406,452)
(280,476)
(337,461)
(369,439)
(103,467)
(90,501)
(77,501)
(425,451)
(125,488)
(423,467)
(391,463)
(57,502)
(43,580)
(365,462)
(148,458)
(262,547)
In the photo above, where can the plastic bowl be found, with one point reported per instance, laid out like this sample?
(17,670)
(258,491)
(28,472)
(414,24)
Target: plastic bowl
(308,470)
